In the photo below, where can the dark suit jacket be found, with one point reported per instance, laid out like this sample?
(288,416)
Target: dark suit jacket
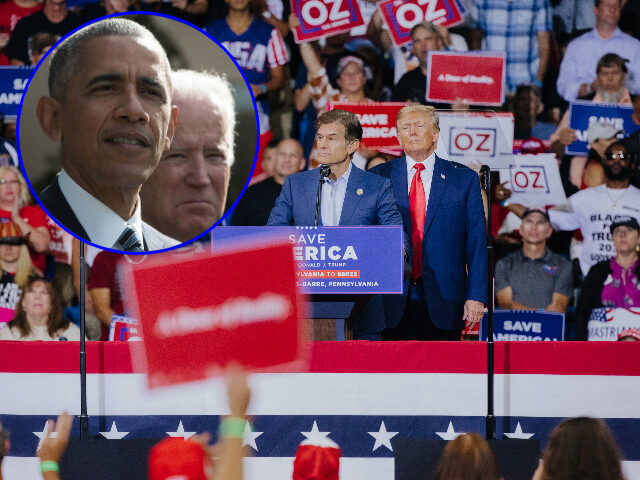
(296,205)
(57,206)
(454,256)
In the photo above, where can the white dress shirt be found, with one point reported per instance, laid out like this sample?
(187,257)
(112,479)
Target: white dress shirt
(103,225)
(333,194)
(426,175)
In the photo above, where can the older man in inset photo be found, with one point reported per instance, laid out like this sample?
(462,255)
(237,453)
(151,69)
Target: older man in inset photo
(187,193)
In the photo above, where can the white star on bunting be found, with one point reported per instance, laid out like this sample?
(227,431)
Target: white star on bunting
(450,434)
(114,434)
(314,435)
(40,435)
(180,432)
(518,433)
(249,437)
(382,437)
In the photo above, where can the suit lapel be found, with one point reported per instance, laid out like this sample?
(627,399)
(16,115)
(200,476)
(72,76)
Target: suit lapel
(438,186)
(351,198)
(312,186)
(401,191)
(54,200)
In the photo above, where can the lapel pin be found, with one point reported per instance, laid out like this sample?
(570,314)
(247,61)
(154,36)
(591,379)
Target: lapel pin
(359,191)
(442,176)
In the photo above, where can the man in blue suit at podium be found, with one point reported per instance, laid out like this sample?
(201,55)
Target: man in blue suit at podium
(349,196)
(443,215)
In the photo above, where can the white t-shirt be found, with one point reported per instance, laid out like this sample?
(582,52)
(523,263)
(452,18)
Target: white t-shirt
(71,333)
(594,210)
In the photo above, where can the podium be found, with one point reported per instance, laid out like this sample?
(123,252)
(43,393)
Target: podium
(339,268)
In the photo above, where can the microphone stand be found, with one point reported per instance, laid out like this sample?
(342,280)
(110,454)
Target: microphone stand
(325,171)
(84,418)
(490,419)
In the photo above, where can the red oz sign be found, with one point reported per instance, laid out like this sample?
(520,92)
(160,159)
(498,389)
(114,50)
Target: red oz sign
(402,15)
(323,18)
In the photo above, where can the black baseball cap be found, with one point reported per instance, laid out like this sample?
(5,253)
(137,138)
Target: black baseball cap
(541,211)
(626,221)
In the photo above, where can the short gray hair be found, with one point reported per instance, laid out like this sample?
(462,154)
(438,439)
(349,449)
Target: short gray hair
(427,110)
(67,56)
(215,89)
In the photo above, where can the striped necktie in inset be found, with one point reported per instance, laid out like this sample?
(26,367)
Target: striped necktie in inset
(128,241)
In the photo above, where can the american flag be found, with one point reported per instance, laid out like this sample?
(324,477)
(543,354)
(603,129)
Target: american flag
(362,395)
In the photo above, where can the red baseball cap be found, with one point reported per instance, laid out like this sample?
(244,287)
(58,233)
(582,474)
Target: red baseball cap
(178,459)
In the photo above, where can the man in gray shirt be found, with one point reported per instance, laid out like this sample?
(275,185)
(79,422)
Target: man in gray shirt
(534,278)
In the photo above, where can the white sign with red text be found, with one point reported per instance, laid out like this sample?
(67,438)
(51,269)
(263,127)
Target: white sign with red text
(476,138)
(534,180)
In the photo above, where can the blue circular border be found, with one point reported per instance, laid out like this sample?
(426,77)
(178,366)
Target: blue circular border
(236,135)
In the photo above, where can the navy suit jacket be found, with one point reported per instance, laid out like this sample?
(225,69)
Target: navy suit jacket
(454,254)
(296,205)
(58,207)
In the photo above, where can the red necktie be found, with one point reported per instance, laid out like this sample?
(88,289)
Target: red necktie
(417,205)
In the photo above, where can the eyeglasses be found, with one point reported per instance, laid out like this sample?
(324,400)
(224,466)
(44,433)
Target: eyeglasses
(618,156)
(10,182)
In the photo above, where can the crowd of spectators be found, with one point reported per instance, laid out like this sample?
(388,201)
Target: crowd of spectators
(556,51)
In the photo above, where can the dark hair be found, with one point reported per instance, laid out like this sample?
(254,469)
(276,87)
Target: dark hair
(610,148)
(67,56)
(598,2)
(581,448)
(528,87)
(612,60)
(56,320)
(42,40)
(352,127)
(468,457)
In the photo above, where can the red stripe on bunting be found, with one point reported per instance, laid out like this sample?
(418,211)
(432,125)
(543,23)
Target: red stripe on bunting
(551,358)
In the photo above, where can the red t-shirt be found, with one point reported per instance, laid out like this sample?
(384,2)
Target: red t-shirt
(34,216)
(10,13)
(103,275)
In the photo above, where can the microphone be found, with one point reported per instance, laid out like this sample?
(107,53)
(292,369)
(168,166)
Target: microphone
(325,171)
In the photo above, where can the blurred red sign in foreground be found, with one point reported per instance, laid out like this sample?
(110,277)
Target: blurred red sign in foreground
(200,312)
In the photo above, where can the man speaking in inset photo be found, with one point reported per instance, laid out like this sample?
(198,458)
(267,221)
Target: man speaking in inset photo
(110,107)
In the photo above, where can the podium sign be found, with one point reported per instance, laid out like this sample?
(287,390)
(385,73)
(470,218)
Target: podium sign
(524,325)
(365,259)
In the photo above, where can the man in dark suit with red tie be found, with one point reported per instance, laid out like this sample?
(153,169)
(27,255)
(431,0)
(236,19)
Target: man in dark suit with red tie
(443,215)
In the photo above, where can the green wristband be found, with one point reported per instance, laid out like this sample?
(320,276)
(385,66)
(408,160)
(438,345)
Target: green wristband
(233,427)
(49,466)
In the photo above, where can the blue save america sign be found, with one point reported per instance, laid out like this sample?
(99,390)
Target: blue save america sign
(334,259)
(582,114)
(524,325)
(12,83)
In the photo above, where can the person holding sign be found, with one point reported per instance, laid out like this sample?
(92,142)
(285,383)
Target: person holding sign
(611,72)
(443,214)
(614,282)
(592,210)
(349,196)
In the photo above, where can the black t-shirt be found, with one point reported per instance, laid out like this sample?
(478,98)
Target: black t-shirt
(9,291)
(413,86)
(255,205)
(18,46)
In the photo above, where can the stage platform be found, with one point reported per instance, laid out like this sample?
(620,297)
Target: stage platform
(363,395)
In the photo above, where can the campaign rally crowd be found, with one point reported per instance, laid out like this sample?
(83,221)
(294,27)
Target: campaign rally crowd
(570,259)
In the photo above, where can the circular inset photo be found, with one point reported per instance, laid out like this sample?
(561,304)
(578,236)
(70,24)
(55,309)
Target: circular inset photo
(129,133)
